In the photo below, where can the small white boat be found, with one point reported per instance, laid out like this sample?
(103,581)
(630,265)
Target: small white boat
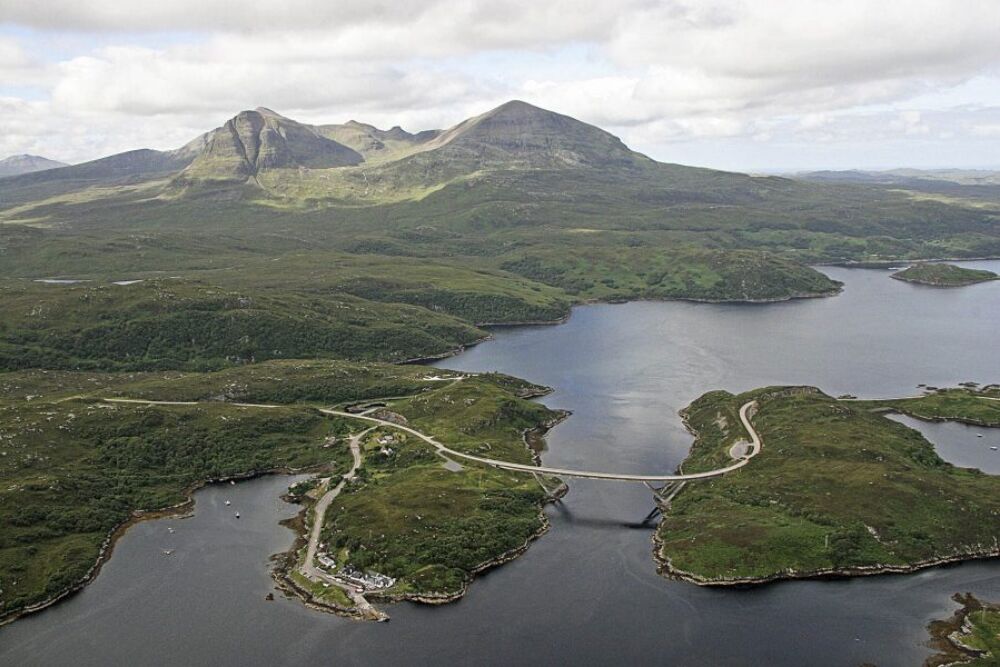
(167,552)
(170,530)
(237,515)
(993,448)
(228,503)
(232,482)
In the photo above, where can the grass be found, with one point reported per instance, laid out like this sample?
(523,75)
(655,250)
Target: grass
(319,592)
(962,404)
(836,487)
(430,527)
(174,324)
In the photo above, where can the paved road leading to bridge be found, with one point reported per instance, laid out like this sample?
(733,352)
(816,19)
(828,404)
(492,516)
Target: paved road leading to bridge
(755,447)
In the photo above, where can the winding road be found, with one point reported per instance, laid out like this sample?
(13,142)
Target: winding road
(308,567)
(755,446)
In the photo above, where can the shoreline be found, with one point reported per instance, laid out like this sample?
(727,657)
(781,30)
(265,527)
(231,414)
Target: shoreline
(886,263)
(795,296)
(666,569)
(181,510)
(926,283)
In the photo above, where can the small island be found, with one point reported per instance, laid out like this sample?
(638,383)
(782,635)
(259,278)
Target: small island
(837,489)
(943,275)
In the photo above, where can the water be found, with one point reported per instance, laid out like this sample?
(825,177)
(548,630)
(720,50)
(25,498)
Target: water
(587,592)
(960,444)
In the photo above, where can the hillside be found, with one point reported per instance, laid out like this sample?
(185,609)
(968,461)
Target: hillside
(172,324)
(509,216)
(26,164)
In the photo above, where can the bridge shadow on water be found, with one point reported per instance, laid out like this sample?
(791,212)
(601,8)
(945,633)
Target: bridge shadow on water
(567,515)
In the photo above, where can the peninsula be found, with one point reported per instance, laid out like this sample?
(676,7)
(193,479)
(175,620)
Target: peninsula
(837,489)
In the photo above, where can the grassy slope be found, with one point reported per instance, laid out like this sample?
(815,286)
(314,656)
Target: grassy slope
(411,518)
(836,487)
(181,324)
(943,275)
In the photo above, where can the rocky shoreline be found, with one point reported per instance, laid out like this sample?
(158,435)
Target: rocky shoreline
(667,569)
(947,635)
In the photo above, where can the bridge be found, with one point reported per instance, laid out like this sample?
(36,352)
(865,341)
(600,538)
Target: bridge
(672,482)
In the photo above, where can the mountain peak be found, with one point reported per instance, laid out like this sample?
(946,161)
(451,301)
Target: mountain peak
(264,111)
(259,139)
(517,131)
(518,108)
(26,163)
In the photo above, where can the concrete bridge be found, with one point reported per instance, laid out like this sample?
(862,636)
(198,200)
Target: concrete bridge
(672,482)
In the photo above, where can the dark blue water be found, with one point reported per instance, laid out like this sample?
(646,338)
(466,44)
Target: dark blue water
(587,592)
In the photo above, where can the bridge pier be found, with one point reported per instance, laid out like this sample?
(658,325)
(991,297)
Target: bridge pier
(666,493)
(552,494)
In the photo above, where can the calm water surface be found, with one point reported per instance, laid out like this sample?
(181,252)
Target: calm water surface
(587,592)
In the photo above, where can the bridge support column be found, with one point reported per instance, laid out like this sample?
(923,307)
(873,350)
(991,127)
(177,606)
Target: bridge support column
(552,494)
(665,493)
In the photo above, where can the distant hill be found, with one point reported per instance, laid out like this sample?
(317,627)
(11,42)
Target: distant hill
(907,176)
(374,144)
(26,164)
(517,188)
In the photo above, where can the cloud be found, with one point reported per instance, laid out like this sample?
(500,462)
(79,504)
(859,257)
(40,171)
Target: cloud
(657,72)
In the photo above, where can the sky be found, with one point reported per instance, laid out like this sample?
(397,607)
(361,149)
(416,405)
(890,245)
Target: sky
(749,85)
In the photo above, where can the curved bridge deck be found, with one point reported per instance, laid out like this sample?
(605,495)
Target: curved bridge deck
(754,449)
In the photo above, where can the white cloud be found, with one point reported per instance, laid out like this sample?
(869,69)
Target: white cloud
(657,72)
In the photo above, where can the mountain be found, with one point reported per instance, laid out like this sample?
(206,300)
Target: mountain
(517,132)
(257,140)
(520,188)
(373,144)
(26,164)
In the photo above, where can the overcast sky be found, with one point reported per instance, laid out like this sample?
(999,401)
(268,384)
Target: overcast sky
(759,85)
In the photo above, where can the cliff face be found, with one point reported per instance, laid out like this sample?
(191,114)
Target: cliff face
(257,140)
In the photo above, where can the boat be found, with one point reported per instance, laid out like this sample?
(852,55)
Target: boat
(237,515)
(228,503)
(993,448)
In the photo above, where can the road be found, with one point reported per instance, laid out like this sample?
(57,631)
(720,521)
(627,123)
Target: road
(756,446)
(308,567)
(443,450)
